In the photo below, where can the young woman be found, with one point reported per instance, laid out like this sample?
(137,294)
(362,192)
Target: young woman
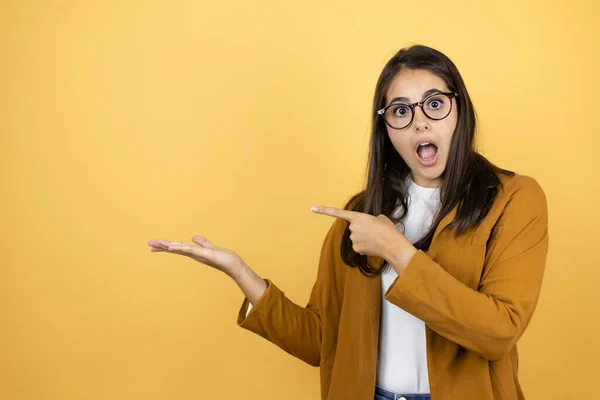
(430,275)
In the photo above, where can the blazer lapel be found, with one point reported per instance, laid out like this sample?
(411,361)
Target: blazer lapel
(436,245)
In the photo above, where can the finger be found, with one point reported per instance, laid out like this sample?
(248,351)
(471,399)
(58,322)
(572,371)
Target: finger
(335,212)
(163,242)
(155,246)
(180,253)
(186,249)
(176,248)
(202,241)
(159,243)
(166,250)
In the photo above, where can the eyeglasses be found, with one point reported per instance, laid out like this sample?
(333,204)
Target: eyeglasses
(436,106)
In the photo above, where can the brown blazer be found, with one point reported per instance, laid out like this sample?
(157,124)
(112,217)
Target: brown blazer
(476,294)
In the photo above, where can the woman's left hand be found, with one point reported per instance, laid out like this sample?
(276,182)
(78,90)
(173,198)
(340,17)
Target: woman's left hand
(374,236)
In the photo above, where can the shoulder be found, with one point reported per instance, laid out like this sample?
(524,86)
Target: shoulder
(521,189)
(520,201)
(518,211)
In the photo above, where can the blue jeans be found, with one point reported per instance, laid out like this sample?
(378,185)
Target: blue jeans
(382,394)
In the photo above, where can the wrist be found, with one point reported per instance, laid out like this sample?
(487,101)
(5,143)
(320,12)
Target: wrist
(251,284)
(239,271)
(400,255)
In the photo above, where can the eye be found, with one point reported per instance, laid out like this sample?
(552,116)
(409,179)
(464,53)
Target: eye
(400,111)
(435,103)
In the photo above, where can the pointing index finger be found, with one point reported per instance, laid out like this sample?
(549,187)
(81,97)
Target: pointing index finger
(334,212)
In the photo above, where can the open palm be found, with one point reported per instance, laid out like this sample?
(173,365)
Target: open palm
(205,252)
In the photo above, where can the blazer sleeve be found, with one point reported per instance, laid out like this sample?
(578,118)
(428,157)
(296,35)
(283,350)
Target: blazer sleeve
(293,328)
(489,320)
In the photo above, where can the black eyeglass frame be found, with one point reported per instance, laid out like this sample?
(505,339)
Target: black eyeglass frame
(412,108)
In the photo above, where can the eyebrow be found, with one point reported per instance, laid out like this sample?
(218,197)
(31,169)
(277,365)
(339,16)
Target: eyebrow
(425,94)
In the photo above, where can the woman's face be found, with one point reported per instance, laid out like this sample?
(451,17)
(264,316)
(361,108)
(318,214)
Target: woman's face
(427,162)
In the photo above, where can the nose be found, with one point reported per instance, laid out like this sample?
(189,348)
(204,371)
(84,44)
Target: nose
(420,121)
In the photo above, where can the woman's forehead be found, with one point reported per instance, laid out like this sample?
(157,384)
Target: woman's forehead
(413,83)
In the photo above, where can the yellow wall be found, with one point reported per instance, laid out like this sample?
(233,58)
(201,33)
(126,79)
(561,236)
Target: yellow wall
(123,121)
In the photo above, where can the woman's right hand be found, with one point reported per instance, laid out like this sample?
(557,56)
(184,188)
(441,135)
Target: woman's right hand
(205,252)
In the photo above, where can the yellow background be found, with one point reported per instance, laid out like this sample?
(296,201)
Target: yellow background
(123,121)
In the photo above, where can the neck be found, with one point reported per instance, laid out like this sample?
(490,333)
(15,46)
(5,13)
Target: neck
(426,183)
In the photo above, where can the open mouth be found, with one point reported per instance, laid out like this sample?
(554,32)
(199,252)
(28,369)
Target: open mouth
(427,153)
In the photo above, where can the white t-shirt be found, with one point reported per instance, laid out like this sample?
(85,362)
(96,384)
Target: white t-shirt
(402,354)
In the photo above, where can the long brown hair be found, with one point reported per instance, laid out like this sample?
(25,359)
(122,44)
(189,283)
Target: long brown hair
(469,181)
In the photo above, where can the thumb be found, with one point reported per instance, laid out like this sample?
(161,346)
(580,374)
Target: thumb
(204,242)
